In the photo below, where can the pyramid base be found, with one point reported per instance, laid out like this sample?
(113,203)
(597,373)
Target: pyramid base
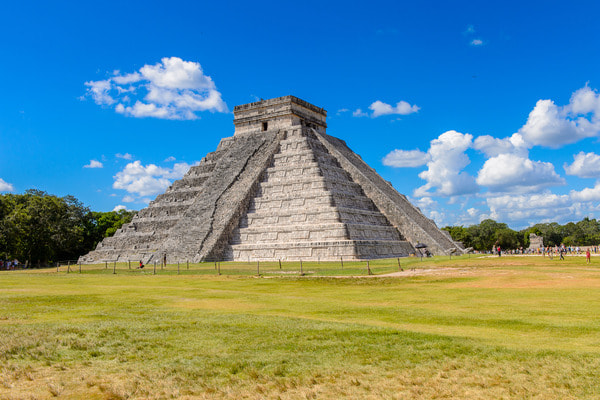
(319,251)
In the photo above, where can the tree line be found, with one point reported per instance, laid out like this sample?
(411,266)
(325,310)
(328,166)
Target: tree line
(36,227)
(488,233)
(39,228)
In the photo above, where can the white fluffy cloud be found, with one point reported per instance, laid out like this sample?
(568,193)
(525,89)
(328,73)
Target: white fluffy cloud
(171,89)
(100,92)
(530,209)
(584,101)
(447,159)
(402,107)
(148,180)
(125,156)
(94,164)
(5,186)
(587,194)
(119,208)
(406,158)
(359,113)
(585,165)
(553,126)
(380,108)
(510,172)
(492,146)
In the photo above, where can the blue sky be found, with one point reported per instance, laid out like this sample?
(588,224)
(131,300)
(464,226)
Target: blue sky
(473,110)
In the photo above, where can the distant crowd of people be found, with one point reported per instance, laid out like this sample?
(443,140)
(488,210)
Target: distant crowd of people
(563,250)
(551,251)
(10,264)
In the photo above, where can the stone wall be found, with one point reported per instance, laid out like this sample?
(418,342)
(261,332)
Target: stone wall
(535,241)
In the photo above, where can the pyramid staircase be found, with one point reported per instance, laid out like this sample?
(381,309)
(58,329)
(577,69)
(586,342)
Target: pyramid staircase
(307,207)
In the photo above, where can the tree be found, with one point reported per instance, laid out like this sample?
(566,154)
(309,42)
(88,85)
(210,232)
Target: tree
(38,227)
(460,234)
(507,238)
(104,224)
(484,235)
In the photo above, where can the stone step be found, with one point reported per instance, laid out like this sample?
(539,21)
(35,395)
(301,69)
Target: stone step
(299,184)
(204,168)
(296,211)
(287,167)
(154,224)
(269,220)
(277,201)
(322,251)
(372,232)
(189,183)
(165,211)
(351,200)
(367,217)
(294,143)
(325,230)
(315,198)
(295,157)
(279,174)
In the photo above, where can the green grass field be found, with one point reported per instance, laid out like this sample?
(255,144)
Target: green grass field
(471,328)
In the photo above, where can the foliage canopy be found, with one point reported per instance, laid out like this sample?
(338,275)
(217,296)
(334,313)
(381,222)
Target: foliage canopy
(39,227)
(489,233)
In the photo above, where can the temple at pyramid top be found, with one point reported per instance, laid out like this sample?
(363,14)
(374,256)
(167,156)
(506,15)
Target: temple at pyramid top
(280,188)
(278,113)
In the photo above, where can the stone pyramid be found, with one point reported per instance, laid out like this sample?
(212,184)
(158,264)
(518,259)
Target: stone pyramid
(279,189)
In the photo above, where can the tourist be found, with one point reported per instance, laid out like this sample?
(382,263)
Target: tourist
(588,256)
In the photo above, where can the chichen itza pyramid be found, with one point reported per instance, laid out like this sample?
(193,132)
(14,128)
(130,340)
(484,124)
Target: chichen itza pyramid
(279,189)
